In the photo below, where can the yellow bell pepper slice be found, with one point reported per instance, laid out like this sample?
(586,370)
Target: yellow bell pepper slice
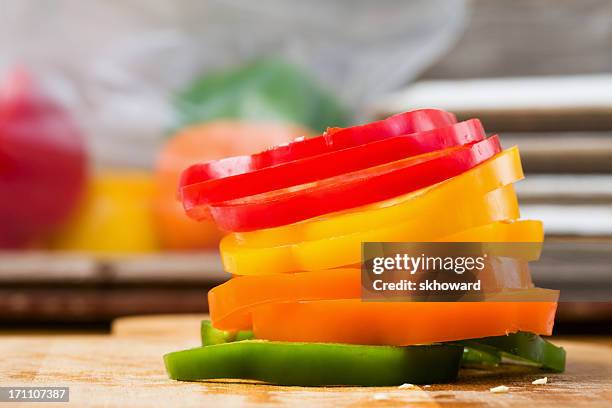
(502,231)
(441,220)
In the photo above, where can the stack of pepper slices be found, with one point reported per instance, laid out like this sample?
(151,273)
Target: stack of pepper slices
(296,216)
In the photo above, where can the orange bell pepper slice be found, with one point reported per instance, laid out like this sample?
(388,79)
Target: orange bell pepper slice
(402,323)
(230,303)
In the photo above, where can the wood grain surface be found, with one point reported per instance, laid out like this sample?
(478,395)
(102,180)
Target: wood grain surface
(125,369)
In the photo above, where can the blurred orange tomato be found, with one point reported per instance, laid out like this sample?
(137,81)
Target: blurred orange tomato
(200,143)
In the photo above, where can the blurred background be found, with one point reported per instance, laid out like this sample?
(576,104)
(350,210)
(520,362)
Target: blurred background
(103,103)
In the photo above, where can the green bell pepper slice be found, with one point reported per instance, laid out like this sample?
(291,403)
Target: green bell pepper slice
(211,336)
(317,364)
(519,347)
(480,357)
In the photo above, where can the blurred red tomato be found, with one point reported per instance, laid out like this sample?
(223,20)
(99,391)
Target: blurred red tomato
(209,141)
(42,162)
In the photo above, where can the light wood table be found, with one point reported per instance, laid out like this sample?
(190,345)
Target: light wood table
(126,369)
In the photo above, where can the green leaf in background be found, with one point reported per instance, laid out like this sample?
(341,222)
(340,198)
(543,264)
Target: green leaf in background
(264,90)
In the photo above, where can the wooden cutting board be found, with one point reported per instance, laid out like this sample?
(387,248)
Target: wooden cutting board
(125,369)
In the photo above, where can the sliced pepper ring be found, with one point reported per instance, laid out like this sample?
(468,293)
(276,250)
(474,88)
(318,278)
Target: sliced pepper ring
(316,364)
(333,140)
(313,168)
(231,302)
(339,251)
(522,346)
(353,321)
(351,190)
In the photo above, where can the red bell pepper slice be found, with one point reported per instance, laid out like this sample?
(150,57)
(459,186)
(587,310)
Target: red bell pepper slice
(333,140)
(286,206)
(331,164)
